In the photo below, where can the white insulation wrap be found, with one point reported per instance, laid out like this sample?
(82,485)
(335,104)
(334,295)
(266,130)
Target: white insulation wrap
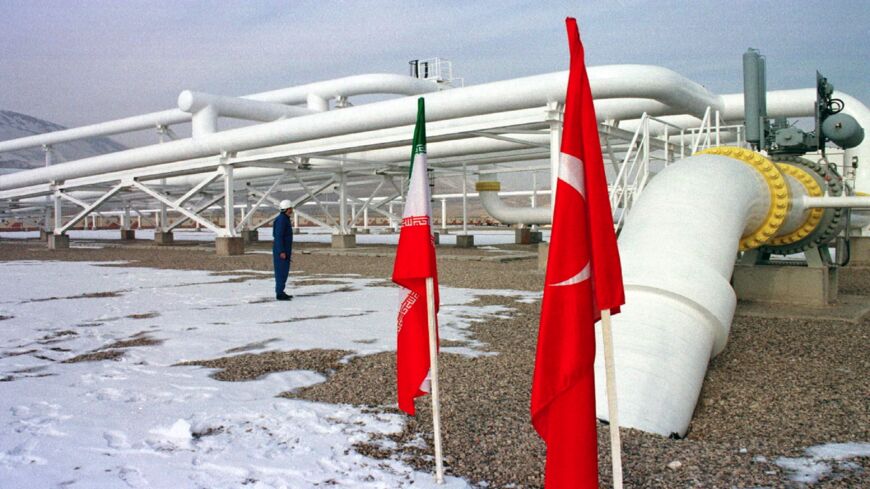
(513,215)
(608,82)
(678,249)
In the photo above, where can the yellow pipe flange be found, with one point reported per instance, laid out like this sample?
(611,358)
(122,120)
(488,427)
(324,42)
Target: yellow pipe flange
(487,186)
(815,216)
(778,193)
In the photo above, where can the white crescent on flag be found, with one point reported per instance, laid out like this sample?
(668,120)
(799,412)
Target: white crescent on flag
(583,275)
(571,172)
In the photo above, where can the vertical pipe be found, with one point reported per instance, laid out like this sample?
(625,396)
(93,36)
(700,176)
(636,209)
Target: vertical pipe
(464,199)
(161,223)
(443,213)
(667,145)
(49,157)
(366,217)
(125,223)
(204,122)
(555,153)
(342,196)
(246,210)
(58,211)
(229,201)
(534,189)
(752,96)
(317,103)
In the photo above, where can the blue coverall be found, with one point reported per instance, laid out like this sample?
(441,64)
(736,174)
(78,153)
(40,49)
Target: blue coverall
(282,242)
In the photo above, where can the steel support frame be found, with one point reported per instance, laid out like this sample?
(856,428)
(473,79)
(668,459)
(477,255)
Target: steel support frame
(364,209)
(196,210)
(171,205)
(78,202)
(244,222)
(313,196)
(61,228)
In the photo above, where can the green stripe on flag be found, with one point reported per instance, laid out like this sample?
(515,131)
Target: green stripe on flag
(419,144)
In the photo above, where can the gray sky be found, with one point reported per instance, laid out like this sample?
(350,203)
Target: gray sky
(77,62)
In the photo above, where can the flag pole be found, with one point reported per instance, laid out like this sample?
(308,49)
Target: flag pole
(433,367)
(610,374)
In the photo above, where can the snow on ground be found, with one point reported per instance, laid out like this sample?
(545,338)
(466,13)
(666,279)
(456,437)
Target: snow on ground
(141,422)
(821,460)
(309,235)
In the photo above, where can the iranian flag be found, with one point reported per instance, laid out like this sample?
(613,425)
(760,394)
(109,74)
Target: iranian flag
(415,262)
(583,278)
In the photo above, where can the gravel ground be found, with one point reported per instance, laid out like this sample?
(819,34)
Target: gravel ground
(780,386)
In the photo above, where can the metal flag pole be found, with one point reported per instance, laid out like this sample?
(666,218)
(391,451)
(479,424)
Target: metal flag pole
(610,374)
(433,368)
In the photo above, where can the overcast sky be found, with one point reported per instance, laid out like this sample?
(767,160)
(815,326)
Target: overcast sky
(76,62)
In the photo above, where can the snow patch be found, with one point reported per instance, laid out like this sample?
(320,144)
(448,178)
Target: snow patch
(822,460)
(139,420)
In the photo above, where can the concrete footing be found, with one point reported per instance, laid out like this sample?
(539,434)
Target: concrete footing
(43,235)
(128,234)
(859,251)
(163,238)
(811,286)
(523,236)
(250,235)
(229,246)
(543,253)
(58,242)
(344,241)
(465,241)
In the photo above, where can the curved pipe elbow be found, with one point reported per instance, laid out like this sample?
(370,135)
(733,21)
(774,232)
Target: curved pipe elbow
(506,214)
(368,84)
(660,84)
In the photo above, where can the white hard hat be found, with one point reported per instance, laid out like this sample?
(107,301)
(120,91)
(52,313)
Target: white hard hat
(285,204)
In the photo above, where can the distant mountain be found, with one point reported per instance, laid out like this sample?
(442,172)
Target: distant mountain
(14,125)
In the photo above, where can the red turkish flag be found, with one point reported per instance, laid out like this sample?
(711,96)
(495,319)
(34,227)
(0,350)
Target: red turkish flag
(583,277)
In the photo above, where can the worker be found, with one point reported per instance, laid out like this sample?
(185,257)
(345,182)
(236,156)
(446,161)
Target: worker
(282,247)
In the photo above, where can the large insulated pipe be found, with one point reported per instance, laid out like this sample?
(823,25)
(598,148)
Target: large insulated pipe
(239,108)
(399,154)
(678,249)
(618,81)
(375,83)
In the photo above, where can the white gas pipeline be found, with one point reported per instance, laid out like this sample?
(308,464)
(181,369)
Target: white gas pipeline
(678,248)
(621,81)
(488,194)
(375,83)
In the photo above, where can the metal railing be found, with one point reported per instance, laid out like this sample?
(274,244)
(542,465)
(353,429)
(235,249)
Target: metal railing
(634,172)
(645,147)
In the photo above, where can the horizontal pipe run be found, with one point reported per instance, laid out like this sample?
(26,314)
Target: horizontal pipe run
(852,201)
(463,102)
(238,108)
(376,83)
